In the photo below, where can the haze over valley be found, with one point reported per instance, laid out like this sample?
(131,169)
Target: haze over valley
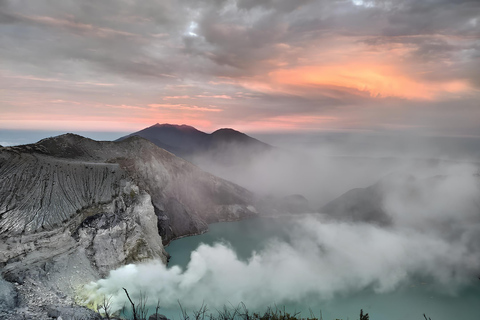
(387,222)
(235,156)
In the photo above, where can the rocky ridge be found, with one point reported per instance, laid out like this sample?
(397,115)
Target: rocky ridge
(72,209)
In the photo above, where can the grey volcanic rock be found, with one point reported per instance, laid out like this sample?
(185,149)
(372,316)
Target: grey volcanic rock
(8,296)
(46,183)
(41,193)
(71,312)
(157,316)
(167,178)
(72,209)
(50,266)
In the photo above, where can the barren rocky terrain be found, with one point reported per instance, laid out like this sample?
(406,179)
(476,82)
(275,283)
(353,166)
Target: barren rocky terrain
(72,209)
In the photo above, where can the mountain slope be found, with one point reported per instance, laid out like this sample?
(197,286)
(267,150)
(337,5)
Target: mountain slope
(369,204)
(67,173)
(399,197)
(360,204)
(188,142)
(72,209)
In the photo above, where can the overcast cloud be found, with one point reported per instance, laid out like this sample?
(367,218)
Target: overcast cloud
(271,64)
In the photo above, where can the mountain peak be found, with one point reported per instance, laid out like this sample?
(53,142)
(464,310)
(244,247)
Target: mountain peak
(184,140)
(65,139)
(228,135)
(182,127)
(226,130)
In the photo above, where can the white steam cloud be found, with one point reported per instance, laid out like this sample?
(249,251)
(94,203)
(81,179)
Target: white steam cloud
(435,235)
(323,259)
(323,168)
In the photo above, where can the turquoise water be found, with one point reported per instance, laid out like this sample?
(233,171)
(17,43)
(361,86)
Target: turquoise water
(408,302)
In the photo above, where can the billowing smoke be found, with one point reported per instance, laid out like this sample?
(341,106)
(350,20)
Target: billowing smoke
(434,236)
(326,258)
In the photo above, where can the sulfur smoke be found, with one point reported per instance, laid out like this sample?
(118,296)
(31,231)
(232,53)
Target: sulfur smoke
(434,236)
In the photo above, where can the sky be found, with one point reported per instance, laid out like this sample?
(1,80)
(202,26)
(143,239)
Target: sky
(266,65)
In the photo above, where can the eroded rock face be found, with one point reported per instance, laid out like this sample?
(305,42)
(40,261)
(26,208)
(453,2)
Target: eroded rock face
(49,266)
(42,193)
(45,184)
(178,188)
(72,209)
(8,296)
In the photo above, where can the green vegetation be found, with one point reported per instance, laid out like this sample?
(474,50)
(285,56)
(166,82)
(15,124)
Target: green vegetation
(132,194)
(139,311)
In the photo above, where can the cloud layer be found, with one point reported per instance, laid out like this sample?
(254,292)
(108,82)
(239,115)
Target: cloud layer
(307,64)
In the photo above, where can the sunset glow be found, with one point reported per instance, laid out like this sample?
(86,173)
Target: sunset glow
(306,65)
(376,81)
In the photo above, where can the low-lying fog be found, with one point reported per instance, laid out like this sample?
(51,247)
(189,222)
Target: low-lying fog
(321,167)
(434,234)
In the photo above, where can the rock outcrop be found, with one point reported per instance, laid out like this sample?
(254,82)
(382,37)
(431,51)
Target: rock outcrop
(72,209)
(46,184)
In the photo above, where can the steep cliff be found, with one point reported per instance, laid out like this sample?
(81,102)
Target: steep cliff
(72,209)
(45,184)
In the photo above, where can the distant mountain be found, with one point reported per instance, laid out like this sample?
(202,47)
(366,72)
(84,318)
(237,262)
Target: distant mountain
(227,135)
(225,145)
(359,204)
(369,204)
(291,204)
(399,195)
